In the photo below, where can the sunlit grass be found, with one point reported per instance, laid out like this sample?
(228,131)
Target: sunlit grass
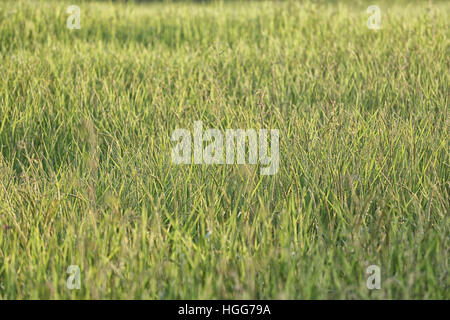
(86,176)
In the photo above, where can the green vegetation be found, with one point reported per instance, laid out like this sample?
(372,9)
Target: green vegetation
(86,176)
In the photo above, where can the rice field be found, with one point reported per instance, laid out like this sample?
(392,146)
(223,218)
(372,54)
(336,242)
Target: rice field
(90,195)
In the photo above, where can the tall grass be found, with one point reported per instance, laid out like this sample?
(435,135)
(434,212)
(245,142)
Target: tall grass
(86,176)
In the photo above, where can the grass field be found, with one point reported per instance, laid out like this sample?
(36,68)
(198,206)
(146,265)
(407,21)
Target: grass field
(87,179)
